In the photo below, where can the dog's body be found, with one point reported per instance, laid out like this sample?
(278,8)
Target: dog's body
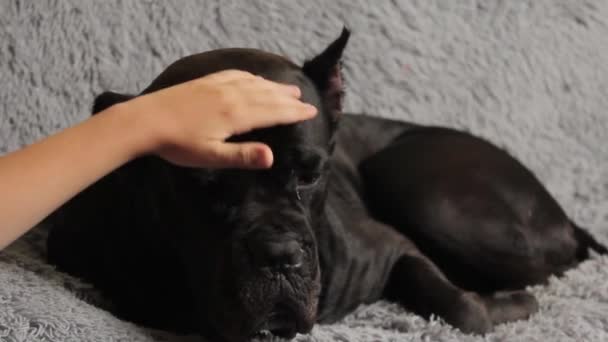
(436,220)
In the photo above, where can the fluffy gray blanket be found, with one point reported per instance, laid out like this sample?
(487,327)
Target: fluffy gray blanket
(530,75)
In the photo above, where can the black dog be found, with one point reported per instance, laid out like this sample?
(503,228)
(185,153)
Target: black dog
(354,209)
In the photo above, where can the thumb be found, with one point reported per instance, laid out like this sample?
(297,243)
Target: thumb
(248,155)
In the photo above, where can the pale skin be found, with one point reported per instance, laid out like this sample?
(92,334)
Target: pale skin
(186,124)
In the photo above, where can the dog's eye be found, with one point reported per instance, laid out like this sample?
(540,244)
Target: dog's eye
(304,181)
(308,179)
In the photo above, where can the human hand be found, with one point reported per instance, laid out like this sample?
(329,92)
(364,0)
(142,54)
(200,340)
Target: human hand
(188,123)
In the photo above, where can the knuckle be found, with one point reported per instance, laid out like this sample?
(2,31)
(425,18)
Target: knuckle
(267,95)
(231,111)
(234,103)
(212,92)
(226,98)
(242,156)
(231,73)
(227,72)
(238,74)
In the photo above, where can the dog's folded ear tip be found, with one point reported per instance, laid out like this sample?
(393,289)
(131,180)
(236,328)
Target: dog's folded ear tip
(340,43)
(346,31)
(332,53)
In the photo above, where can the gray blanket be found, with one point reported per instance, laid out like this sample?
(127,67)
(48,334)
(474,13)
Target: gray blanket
(530,75)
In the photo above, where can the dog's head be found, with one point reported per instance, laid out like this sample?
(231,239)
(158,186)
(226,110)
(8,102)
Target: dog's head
(247,237)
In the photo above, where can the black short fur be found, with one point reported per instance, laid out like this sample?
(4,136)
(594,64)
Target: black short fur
(355,209)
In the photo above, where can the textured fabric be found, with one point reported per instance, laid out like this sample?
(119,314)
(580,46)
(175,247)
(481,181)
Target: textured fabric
(531,76)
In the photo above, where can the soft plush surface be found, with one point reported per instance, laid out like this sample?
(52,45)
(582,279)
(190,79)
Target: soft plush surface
(529,75)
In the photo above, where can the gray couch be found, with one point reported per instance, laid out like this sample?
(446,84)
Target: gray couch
(530,75)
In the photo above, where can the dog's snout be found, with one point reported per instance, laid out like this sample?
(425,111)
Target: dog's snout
(283,255)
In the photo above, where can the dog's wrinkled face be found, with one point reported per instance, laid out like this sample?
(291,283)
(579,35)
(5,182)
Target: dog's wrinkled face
(247,237)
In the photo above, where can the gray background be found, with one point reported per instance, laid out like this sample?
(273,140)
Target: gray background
(531,76)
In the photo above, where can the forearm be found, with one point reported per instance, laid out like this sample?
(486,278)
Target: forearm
(36,180)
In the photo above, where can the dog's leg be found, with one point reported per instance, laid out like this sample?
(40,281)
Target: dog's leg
(417,284)
(479,214)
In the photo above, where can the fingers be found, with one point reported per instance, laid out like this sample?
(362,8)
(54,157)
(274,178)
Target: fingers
(259,103)
(258,84)
(227,76)
(286,112)
(288,89)
(236,76)
(249,155)
(262,115)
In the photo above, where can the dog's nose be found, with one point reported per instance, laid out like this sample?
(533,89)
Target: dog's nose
(282,255)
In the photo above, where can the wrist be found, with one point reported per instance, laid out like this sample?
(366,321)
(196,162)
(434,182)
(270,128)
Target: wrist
(136,125)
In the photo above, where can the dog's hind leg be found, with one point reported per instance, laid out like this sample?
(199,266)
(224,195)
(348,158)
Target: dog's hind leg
(417,284)
(481,216)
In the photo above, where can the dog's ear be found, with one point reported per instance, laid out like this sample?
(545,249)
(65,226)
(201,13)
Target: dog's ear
(108,99)
(325,70)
